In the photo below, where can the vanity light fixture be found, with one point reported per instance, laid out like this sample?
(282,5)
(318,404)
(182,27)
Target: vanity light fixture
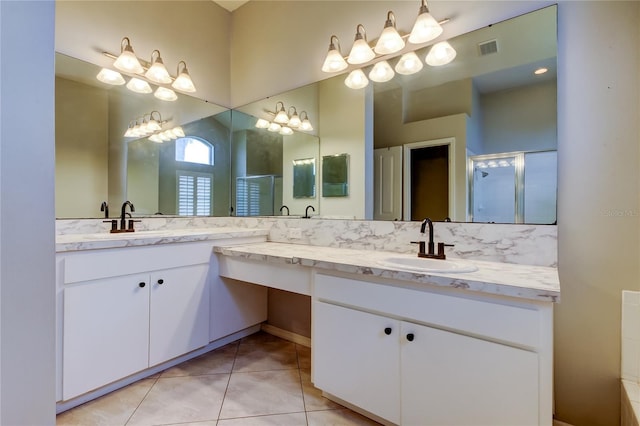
(426,28)
(110,77)
(157,72)
(128,61)
(381,72)
(389,41)
(165,94)
(274,127)
(334,62)
(440,54)
(356,80)
(361,52)
(281,114)
(286,130)
(294,120)
(408,64)
(262,123)
(183,81)
(541,71)
(306,124)
(139,86)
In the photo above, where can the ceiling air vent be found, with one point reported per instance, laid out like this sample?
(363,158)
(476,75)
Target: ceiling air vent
(488,47)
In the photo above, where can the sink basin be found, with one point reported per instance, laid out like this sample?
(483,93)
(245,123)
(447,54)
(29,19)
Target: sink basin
(422,264)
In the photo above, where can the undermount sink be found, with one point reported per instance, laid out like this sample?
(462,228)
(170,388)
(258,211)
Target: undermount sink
(422,264)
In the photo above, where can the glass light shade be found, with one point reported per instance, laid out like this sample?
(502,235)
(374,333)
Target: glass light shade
(408,64)
(165,136)
(158,72)
(356,80)
(183,81)
(334,61)
(110,77)
(285,130)
(139,86)
(381,72)
(153,125)
(281,117)
(306,125)
(361,52)
(425,29)
(274,127)
(389,41)
(129,133)
(294,121)
(262,124)
(440,54)
(178,131)
(128,62)
(155,138)
(165,94)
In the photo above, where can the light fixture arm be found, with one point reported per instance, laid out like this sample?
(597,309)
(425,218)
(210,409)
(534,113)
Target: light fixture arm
(159,116)
(125,44)
(423,8)
(333,46)
(391,20)
(361,35)
(294,110)
(184,68)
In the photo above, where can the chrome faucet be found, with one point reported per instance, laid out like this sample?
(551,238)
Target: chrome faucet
(123,216)
(306,212)
(284,207)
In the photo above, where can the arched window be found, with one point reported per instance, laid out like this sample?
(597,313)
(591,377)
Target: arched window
(191,149)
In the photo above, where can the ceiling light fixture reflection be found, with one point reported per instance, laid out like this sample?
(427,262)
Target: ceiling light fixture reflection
(381,72)
(541,71)
(139,86)
(281,114)
(440,54)
(426,28)
(285,130)
(128,61)
(408,64)
(361,52)
(110,77)
(334,62)
(306,124)
(274,127)
(262,124)
(183,81)
(389,41)
(294,120)
(165,94)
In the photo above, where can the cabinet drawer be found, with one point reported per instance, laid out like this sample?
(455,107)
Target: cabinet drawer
(497,320)
(93,265)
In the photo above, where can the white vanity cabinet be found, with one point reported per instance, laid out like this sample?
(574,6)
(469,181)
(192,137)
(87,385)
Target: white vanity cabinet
(417,356)
(127,310)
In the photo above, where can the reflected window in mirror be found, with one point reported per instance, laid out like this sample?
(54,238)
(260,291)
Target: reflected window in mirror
(304,178)
(335,175)
(194,150)
(195,193)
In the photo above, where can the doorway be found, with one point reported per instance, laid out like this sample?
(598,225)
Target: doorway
(428,180)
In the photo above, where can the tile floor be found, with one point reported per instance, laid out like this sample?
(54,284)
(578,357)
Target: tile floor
(259,380)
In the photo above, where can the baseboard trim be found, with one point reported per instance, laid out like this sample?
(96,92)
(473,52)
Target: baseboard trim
(286,335)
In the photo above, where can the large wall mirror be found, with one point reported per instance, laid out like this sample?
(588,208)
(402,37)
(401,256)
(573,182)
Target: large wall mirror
(474,140)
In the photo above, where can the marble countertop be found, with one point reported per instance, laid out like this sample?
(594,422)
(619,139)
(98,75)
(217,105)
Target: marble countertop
(523,281)
(105,240)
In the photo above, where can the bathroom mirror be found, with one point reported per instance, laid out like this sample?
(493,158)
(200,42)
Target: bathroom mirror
(335,175)
(304,178)
(92,153)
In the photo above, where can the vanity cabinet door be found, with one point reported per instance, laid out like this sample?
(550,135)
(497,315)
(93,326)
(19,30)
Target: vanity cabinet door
(106,332)
(179,318)
(452,379)
(356,358)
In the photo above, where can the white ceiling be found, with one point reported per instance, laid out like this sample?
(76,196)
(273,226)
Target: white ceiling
(230,5)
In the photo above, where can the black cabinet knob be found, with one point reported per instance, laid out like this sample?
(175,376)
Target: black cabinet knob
(387,331)
(410,337)
(142,284)
(160,281)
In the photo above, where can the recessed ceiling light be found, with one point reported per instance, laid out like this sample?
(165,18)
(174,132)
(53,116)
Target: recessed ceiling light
(540,71)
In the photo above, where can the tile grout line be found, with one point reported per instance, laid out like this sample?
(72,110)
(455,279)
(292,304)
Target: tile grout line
(224,396)
(304,402)
(142,400)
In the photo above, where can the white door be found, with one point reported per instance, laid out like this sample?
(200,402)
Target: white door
(451,379)
(179,317)
(387,200)
(356,360)
(106,332)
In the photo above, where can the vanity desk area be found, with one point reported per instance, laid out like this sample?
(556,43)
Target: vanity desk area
(400,345)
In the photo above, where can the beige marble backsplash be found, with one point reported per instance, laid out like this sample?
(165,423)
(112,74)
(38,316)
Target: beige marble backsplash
(519,244)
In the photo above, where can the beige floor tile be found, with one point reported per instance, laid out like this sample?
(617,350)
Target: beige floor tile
(343,417)
(182,400)
(276,355)
(214,362)
(262,393)
(304,357)
(259,338)
(313,399)
(293,419)
(112,409)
